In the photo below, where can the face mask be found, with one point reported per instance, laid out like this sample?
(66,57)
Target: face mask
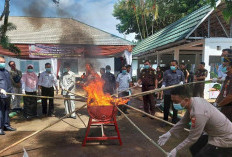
(30,70)
(173,68)
(146,66)
(177,106)
(108,71)
(123,72)
(222,59)
(224,70)
(65,70)
(48,69)
(2,65)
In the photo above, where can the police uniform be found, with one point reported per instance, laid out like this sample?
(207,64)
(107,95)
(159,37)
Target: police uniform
(67,82)
(148,77)
(226,90)
(199,87)
(205,117)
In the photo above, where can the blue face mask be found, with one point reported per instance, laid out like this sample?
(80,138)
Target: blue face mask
(65,70)
(48,69)
(177,106)
(108,71)
(123,72)
(224,70)
(30,70)
(173,68)
(146,66)
(2,65)
(222,59)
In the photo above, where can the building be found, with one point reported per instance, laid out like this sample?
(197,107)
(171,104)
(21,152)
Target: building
(199,36)
(61,40)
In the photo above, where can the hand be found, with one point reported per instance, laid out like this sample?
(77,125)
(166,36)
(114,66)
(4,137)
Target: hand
(214,80)
(223,79)
(23,92)
(13,96)
(2,91)
(215,104)
(172,153)
(163,86)
(164,138)
(181,82)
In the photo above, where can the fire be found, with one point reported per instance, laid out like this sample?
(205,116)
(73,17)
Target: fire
(94,89)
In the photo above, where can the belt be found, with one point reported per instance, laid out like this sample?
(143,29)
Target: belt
(46,87)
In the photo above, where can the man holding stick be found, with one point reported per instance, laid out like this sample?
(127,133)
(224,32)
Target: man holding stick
(5,87)
(171,77)
(204,117)
(149,82)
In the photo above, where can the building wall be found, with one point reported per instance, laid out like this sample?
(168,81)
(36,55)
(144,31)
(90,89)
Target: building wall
(213,47)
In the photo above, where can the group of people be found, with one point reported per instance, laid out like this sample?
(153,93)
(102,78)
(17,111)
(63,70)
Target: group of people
(30,84)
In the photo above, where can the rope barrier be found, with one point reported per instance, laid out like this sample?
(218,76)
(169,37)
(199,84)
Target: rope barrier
(40,130)
(145,135)
(45,97)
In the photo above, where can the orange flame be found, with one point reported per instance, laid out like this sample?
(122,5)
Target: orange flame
(94,88)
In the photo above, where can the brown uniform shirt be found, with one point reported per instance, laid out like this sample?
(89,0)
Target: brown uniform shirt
(226,89)
(148,77)
(200,73)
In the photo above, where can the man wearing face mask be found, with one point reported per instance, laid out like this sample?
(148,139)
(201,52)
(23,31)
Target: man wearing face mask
(123,82)
(5,87)
(200,75)
(171,77)
(203,117)
(67,83)
(46,82)
(110,82)
(149,82)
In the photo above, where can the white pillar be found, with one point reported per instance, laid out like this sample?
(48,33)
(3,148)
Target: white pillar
(176,54)
(205,58)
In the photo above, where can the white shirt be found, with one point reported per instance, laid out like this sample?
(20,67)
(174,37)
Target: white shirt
(67,82)
(47,80)
(124,81)
(220,73)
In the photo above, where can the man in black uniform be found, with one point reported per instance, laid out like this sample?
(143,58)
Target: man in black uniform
(110,81)
(200,75)
(185,71)
(149,82)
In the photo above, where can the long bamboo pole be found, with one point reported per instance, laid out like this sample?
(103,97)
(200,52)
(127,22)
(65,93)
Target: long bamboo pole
(40,130)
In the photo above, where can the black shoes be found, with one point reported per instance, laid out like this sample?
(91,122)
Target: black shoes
(8,128)
(2,132)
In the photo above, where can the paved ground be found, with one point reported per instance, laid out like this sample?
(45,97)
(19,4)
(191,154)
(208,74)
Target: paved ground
(65,138)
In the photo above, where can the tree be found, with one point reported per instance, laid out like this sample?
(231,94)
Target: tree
(145,17)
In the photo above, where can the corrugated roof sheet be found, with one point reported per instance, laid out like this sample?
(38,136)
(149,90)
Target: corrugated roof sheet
(174,32)
(32,30)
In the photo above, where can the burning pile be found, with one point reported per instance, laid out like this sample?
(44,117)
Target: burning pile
(94,88)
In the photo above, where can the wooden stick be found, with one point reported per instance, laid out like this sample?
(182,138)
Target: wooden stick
(45,97)
(40,130)
(75,94)
(159,119)
(162,89)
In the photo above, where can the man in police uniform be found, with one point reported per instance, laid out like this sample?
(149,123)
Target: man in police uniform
(200,75)
(149,82)
(171,77)
(204,117)
(5,87)
(67,83)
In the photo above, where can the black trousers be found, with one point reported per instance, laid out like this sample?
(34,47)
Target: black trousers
(123,107)
(167,103)
(197,147)
(4,112)
(47,92)
(30,105)
(213,151)
(149,100)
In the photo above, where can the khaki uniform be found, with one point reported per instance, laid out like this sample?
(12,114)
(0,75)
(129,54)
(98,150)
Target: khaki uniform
(148,77)
(205,117)
(199,87)
(226,90)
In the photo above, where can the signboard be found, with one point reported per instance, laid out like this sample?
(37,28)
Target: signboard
(55,51)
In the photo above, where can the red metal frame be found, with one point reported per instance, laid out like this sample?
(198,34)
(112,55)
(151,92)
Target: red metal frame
(112,122)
